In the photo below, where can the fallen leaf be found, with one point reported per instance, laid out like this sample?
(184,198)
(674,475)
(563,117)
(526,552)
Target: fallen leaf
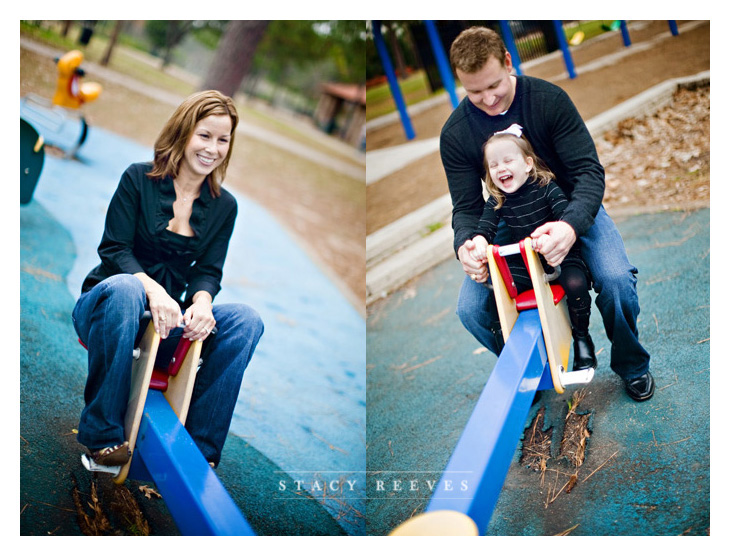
(149,492)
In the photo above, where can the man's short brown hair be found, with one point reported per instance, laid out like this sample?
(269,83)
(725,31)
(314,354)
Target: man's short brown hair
(471,50)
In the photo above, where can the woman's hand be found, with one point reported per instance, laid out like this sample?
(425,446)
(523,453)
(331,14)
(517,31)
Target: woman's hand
(166,314)
(198,318)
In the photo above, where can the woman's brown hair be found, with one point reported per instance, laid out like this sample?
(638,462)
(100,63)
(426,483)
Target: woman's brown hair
(175,135)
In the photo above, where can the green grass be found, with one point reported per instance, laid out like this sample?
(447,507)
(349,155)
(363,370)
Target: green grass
(414,88)
(591,28)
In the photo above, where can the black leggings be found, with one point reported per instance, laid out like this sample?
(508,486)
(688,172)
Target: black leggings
(576,285)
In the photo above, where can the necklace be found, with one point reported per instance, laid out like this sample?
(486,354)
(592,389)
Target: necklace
(184,198)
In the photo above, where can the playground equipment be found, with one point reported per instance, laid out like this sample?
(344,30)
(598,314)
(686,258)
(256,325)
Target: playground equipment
(537,335)
(548,299)
(162,450)
(577,38)
(32,155)
(60,119)
(509,41)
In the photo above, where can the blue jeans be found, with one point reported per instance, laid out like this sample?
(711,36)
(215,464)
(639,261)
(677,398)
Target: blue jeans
(614,281)
(106,318)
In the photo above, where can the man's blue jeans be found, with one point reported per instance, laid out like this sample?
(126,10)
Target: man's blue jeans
(614,281)
(106,318)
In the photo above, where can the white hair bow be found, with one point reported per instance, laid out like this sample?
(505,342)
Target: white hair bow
(514,129)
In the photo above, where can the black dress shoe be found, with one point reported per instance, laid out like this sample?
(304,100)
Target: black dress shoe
(641,388)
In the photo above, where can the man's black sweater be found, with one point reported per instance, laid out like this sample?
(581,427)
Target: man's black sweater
(552,125)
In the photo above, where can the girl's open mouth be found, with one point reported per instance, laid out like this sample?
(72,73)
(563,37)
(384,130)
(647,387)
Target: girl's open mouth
(505,180)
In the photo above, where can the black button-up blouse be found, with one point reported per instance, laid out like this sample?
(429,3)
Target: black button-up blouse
(136,238)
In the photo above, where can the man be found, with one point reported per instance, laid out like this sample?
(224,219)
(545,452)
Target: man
(495,100)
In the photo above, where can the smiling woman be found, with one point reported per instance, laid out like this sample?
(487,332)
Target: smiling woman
(205,119)
(164,245)
(208,148)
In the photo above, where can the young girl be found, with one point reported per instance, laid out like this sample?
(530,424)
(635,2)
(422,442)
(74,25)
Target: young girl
(523,194)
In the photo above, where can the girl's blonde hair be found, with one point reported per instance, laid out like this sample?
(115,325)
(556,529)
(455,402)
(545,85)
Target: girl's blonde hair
(539,173)
(175,135)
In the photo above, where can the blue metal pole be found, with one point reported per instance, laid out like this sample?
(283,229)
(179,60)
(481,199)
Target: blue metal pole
(392,80)
(509,42)
(560,33)
(442,62)
(197,500)
(474,476)
(625,33)
(673,27)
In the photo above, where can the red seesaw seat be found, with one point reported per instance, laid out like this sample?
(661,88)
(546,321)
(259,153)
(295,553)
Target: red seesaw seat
(525,300)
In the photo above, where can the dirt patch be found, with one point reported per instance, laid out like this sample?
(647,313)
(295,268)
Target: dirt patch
(425,124)
(404,191)
(537,443)
(562,476)
(109,509)
(593,92)
(576,433)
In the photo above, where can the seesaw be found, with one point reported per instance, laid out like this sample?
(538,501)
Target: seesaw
(537,335)
(549,299)
(162,450)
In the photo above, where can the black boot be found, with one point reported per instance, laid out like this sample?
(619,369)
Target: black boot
(584,353)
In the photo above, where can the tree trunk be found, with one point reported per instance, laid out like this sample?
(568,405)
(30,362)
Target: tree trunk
(234,56)
(112,42)
(400,62)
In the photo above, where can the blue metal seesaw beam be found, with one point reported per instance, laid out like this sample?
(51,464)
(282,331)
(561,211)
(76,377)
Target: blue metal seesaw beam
(474,476)
(198,502)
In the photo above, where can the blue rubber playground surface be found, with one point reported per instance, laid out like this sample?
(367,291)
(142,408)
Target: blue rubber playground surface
(647,465)
(298,433)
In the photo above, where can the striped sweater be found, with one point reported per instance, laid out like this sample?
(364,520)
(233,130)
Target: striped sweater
(523,211)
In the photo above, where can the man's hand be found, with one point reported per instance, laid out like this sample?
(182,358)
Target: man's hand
(473,267)
(553,240)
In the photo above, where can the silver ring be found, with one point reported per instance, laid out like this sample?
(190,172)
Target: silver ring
(473,277)
(205,330)
(161,319)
